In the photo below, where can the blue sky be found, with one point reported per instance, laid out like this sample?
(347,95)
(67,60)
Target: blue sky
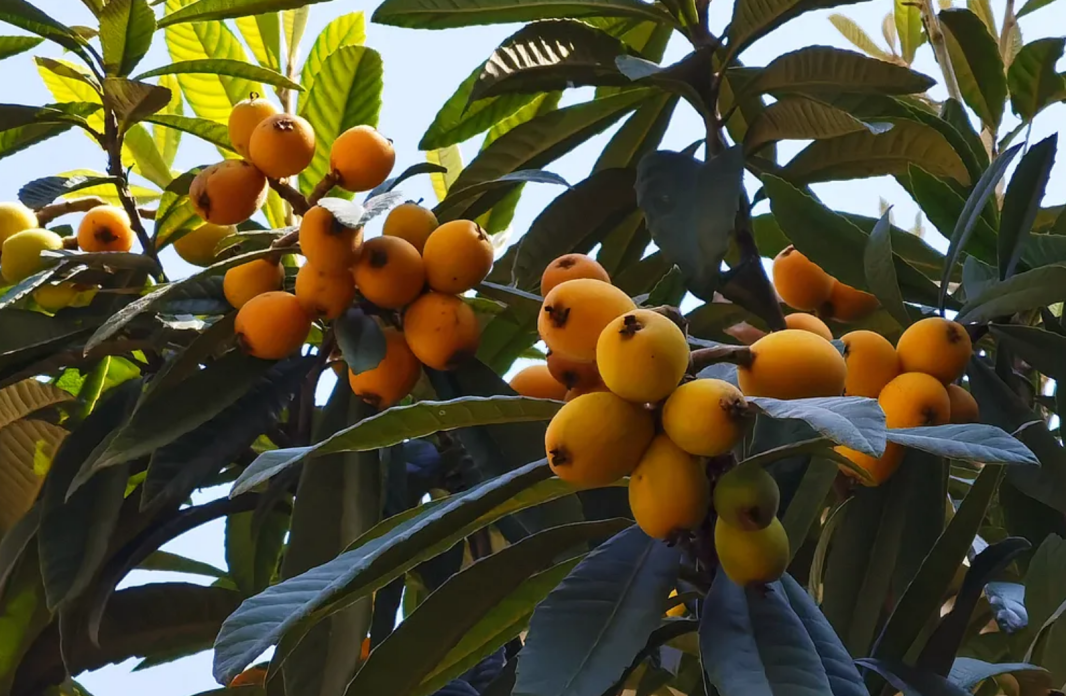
(422,69)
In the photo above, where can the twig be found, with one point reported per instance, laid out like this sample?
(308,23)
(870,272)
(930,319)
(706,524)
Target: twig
(287,240)
(940,48)
(75,205)
(291,196)
(146,213)
(704,357)
(325,186)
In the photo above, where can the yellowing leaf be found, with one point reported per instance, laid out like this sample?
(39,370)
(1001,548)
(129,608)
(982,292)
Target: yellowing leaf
(23,398)
(855,34)
(346,30)
(26,451)
(451,158)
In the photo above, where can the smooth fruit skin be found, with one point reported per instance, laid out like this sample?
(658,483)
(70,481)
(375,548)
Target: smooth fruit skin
(394,377)
(879,468)
(597,439)
(412,222)
(642,356)
(915,399)
(272,326)
(581,376)
(14,218)
(676,611)
(390,273)
(793,364)
(801,283)
(245,116)
(964,408)
(198,246)
(228,193)
(537,382)
(705,417)
(20,256)
(572,394)
(324,295)
(253,676)
(574,314)
(242,283)
(936,346)
(570,267)
(442,330)
(105,228)
(668,491)
(282,145)
(752,558)
(362,158)
(747,497)
(327,243)
(458,256)
(809,323)
(872,363)
(846,303)
(53,298)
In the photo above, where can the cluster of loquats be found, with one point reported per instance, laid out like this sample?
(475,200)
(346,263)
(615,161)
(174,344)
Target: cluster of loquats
(803,285)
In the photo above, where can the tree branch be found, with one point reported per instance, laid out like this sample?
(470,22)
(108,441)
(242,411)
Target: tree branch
(940,48)
(325,186)
(704,357)
(291,196)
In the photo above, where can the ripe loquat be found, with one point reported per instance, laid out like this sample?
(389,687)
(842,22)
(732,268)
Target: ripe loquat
(808,322)
(282,145)
(872,363)
(393,378)
(242,283)
(964,407)
(537,382)
(324,295)
(793,364)
(362,158)
(272,325)
(574,314)
(105,228)
(571,266)
(846,303)
(327,243)
(389,272)
(642,356)
(245,116)
(442,330)
(572,373)
(668,491)
(705,417)
(458,256)
(228,193)
(936,346)
(412,222)
(914,399)
(801,283)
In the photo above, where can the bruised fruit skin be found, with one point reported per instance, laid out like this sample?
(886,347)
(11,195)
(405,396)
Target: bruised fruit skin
(393,378)
(246,115)
(964,407)
(810,323)
(14,218)
(872,363)
(272,326)
(327,243)
(198,246)
(282,145)
(878,468)
(793,364)
(442,330)
(574,314)
(412,222)
(390,273)
(705,417)
(668,491)
(20,256)
(537,382)
(105,228)
(752,558)
(799,281)
(936,346)
(642,356)
(242,283)
(846,303)
(581,376)
(570,267)
(361,158)
(458,256)
(324,295)
(228,193)
(747,498)
(915,399)
(597,439)
(253,676)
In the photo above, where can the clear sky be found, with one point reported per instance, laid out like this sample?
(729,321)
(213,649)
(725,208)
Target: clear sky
(422,69)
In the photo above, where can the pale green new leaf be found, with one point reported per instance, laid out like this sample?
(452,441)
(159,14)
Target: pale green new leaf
(909,28)
(26,451)
(207,10)
(222,66)
(262,33)
(168,139)
(859,38)
(451,158)
(346,30)
(295,22)
(126,28)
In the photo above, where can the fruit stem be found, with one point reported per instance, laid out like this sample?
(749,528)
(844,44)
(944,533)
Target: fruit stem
(291,196)
(673,314)
(325,186)
(703,357)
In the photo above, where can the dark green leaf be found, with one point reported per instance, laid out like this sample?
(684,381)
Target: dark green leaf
(1032,79)
(1044,350)
(1044,595)
(1039,287)
(808,502)
(880,268)
(753,19)
(360,339)
(977,64)
(252,552)
(173,563)
(413,170)
(457,196)
(40,192)
(797,118)
(18,116)
(24,613)
(14,45)
(639,135)
(817,70)
(970,442)
(133,101)
(1022,203)
(969,673)
(206,10)
(1033,6)
(126,28)
(912,681)
(224,66)
(954,114)
(442,14)
(345,30)
(26,16)
(853,421)
(943,201)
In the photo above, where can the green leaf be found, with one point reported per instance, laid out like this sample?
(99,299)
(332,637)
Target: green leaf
(1021,203)
(23,615)
(753,19)
(399,423)
(1044,595)
(1032,79)
(880,268)
(911,680)
(1042,349)
(17,116)
(262,33)
(821,70)
(1032,6)
(968,673)
(214,133)
(140,150)
(224,66)
(971,442)
(851,31)
(441,14)
(977,64)
(126,28)
(26,16)
(442,620)
(27,448)
(23,398)
(855,422)
(587,630)
(808,502)
(41,192)
(414,170)
(346,93)
(14,45)
(253,551)
(133,101)
(167,562)
(1039,287)
(18,139)
(346,30)
(797,118)
(451,159)
(639,135)
(908,18)
(203,11)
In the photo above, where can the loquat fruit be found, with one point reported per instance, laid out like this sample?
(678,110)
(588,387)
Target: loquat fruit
(198,246)
(964,407)
(245,116)
(668,491)
(915,399)
(572,394)
(20,255)
(327,243)
(393,378)
(324,295)
(678,610)
(872,363)
(389,272)
(793,364)
(747,497)
(597,439)
(442,330)
(412,222)
(846,303)
(242,283)
(458,256)
(362,158)
(53,298)
(253,676)
(808,322)
(537,382)
(272,325)
(936,346)
(573,374)
(574,314)
(105,228)
(752,557)
(569,267)
(15,217)
(282,145)
(801,283)
(228,193)
(705,417)
(642,356)
(878,468)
